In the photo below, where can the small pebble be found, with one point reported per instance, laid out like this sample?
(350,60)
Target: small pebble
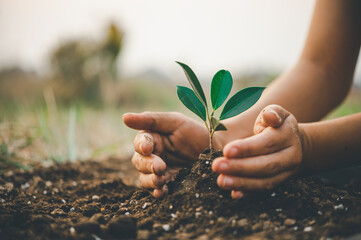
(197,214)
(126,214)
(243,222)
(96,237)
(197,195)
(173,215)
(71,209)
(72,230)
(307,229)
(95,197)
(2,200)
(207,162)
(295,228)
(34,196)
(210,213)
(166,227)
(58,211)
(144,205)
(263,215)
(48,183)
(340,206)
(171,207)
(63,201)
(273,194)
(289,222)
(256,227)
(221,220)
(279,210)
(45,192)
(29,202)
(25,186)
(319,212)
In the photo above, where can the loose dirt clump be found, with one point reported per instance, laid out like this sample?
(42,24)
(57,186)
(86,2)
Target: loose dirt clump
(90,200)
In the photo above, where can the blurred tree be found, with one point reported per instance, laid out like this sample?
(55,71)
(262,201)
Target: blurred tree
(86,70)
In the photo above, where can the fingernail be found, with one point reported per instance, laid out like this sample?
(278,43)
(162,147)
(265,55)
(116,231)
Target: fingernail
(275,113)
(141,148)
(232,152)
(227,181)
(237,194)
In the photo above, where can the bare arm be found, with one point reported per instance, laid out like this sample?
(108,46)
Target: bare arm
(332,144)
(322,77)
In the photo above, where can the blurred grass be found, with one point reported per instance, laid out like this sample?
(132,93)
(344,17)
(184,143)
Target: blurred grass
(351,105)
(44,131)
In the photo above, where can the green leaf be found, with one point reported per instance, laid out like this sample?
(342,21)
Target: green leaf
(216,125)
(214,122)
(220,88)
(241,101)
(191,101)
(221,127)
(193,81)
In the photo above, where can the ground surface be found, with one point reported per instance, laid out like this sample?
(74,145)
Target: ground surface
(96,200)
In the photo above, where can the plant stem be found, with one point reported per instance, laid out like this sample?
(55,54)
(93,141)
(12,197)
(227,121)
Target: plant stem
(210,129)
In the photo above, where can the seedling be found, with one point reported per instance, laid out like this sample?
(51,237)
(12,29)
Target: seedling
(221,86)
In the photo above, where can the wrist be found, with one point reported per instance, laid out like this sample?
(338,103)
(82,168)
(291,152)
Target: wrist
(306,145)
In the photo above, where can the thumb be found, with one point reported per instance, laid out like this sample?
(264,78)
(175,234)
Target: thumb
(270,116)
(153,121)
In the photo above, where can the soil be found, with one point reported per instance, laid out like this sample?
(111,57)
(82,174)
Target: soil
(99,200)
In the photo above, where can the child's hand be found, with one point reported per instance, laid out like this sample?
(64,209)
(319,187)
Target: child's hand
(167,142)
(262,161)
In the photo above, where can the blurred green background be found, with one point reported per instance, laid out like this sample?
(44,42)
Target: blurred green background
(73,110)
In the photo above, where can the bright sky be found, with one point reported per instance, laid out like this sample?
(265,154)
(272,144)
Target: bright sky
(206,34)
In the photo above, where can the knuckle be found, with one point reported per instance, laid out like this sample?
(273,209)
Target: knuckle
(270,144)
(270,167)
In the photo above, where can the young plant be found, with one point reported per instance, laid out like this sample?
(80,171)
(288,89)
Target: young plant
(221,86)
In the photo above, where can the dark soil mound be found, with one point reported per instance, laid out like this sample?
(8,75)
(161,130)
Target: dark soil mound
(89,200)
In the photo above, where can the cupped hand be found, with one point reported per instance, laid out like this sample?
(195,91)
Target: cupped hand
(264,160)
(166,142)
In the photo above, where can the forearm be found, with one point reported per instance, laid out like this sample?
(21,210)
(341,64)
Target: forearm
(323,75)
(331,144)
(309,91)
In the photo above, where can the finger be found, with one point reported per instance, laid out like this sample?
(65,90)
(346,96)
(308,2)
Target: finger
(151,181)
(152,121)
(147,143)
(268,142)
(149,164)
(259,166)
(270,116)
(160,193)
(236,194)
(251,184)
